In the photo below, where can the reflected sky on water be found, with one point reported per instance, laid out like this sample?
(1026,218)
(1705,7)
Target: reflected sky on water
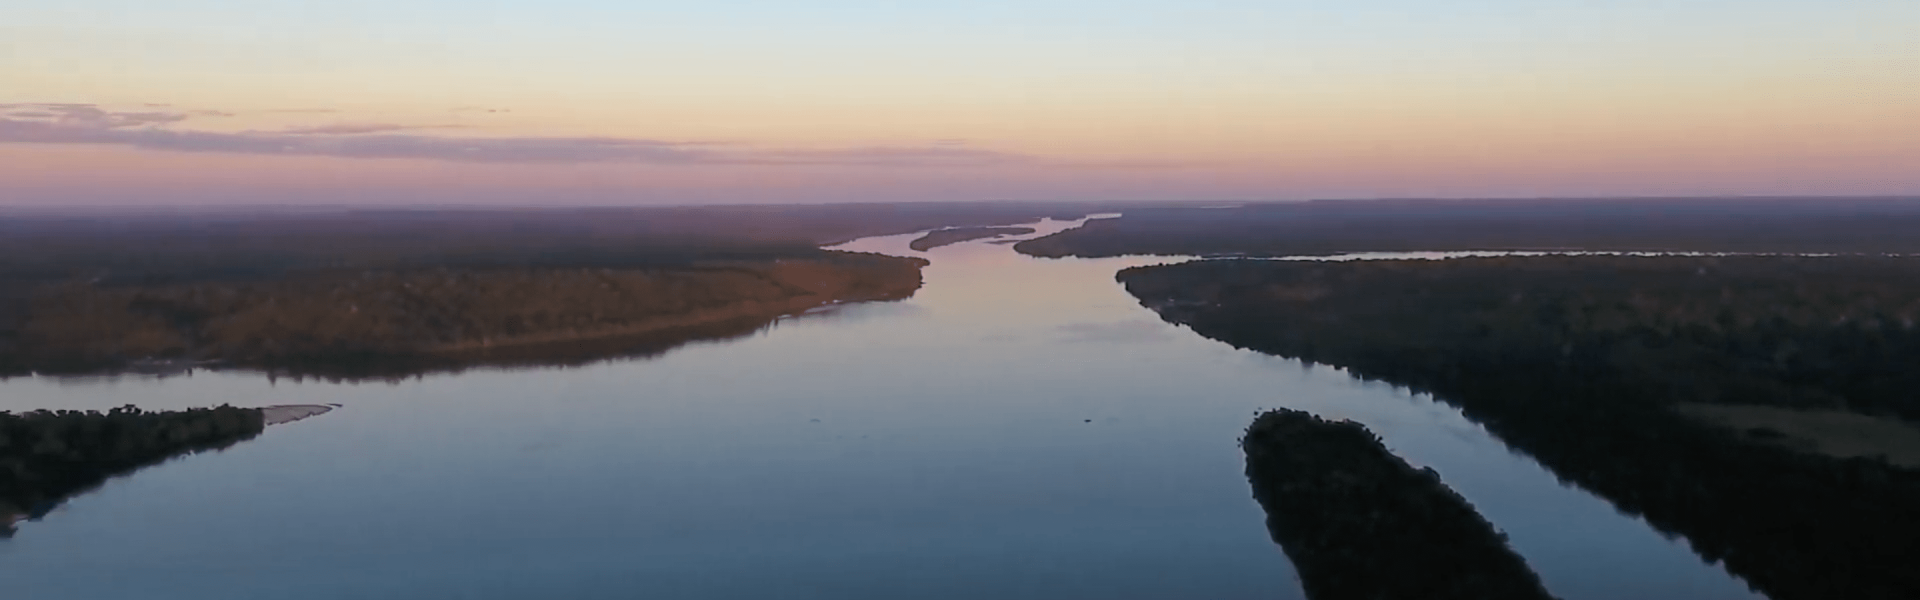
(1021,428)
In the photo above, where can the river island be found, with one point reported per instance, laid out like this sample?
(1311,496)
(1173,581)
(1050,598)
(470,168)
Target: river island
(1360,523)
(943,237)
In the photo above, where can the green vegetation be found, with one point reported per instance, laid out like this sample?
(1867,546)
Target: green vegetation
(1584,363)
(49,456)
(943,237)
(374,322)
(1360,523)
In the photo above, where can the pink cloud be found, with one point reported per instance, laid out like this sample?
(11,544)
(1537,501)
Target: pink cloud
(89,124)
(358,128)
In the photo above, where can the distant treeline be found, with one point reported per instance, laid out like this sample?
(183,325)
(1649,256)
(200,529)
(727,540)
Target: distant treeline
(382,321)
(1361,524)
(1780,225)
(172,247)
(1578,361)
(49,456)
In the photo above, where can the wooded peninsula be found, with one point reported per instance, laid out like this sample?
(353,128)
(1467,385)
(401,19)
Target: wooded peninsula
(1593,365)
(49,456)
(388,322)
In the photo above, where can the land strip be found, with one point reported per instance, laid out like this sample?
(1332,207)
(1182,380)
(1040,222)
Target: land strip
(49,456)
(1747,225)
(1360,523)
(391,323)
(943,237)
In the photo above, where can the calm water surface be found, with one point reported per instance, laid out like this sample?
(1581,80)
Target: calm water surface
(1021,428)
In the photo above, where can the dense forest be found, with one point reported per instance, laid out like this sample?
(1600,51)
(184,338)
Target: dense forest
(942,237)
(49,456)
(1582,361)
(383,321)
(1787,225)
(1361,524)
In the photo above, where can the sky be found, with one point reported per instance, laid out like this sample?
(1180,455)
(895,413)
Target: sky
(605,102)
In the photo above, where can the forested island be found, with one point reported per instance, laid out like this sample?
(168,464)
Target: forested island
(1597,365)
(1749,225)
(1360,523)
(49,456)
(943,237)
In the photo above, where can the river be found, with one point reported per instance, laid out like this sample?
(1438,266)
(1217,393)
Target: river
(1021,428)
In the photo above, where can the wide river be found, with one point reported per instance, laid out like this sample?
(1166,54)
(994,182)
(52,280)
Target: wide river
(1021,428)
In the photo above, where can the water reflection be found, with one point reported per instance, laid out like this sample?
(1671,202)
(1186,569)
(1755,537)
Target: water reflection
(1021,428)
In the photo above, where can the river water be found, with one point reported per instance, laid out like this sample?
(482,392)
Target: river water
(1021,428)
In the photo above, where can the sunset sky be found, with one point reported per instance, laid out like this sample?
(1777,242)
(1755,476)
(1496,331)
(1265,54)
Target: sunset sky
(555,102)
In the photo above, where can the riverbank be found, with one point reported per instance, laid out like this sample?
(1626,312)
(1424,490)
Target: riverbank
(1360,523)
(1585,362)
(399,322)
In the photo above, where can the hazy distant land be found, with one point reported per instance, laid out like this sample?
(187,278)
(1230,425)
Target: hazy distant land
(392,292)
(942,237)
(1739,401)
(1789,225)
